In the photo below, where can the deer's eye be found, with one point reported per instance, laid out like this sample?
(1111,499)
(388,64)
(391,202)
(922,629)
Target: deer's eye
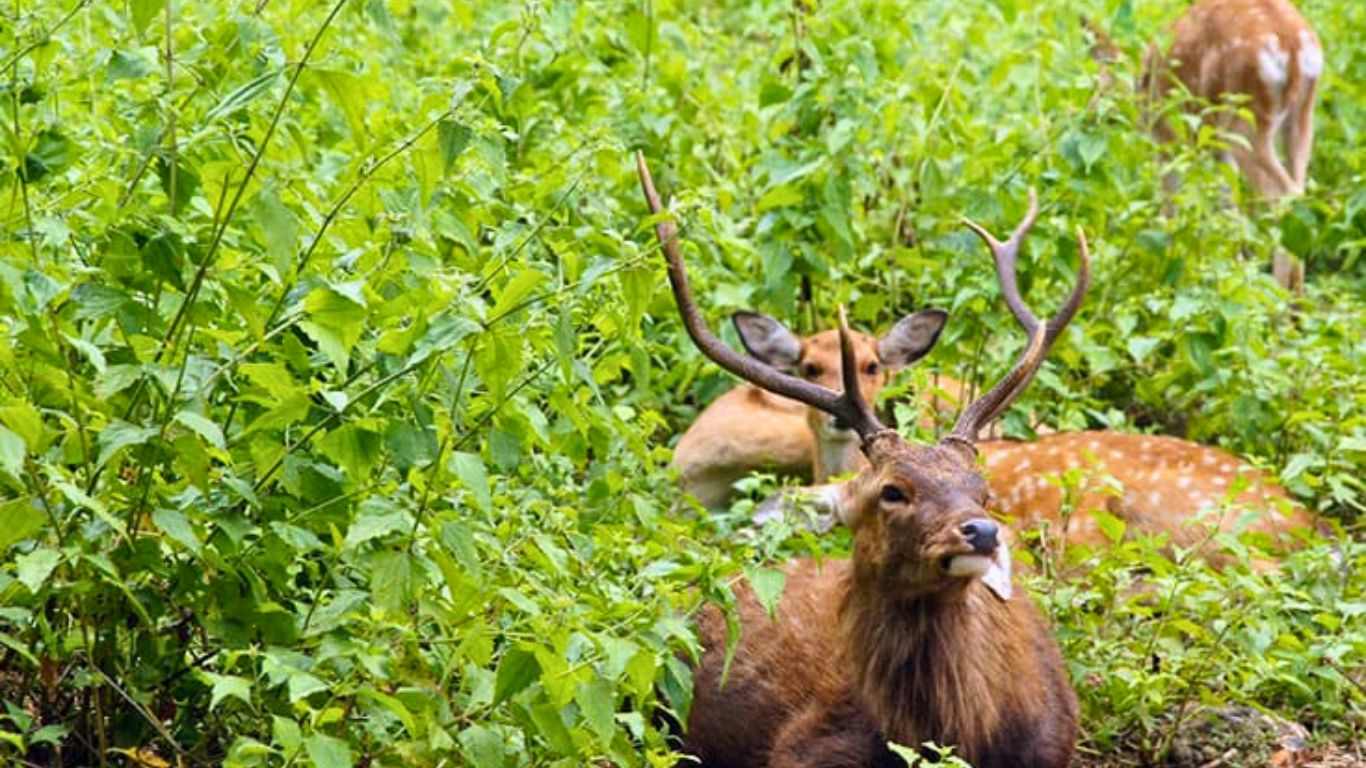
(871,369)
(892,494)
(810,370)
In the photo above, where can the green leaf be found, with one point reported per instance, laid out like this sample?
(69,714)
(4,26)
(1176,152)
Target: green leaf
(482,746)
(597,702)
(375,522)
(50,153)
(469,469)
(19,520)
(177,526)
(12,453)
(353,448)
(26,422)
(225,686)
(33,568)
(1111,526)
(452,136)
(337,321)
(203,427)
(328,752)
(119,435)
(286,733)
(241,96)
(515,292)
(143,11)
(767,584)
(391,580)
(517,669)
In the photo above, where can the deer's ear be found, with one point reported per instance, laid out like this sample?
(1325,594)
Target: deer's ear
(997,577)
(767,339)
(911,338)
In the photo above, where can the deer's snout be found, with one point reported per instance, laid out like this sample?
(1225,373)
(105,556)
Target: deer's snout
(980,534)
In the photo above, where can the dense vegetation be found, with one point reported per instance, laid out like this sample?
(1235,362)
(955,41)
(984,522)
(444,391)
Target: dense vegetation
(338,376)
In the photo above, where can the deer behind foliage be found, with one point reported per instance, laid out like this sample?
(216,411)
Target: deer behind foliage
(920,636)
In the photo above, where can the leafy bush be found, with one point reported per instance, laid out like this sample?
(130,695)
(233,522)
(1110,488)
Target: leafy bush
(338,375)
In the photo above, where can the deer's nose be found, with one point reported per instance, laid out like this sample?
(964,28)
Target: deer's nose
(980,534)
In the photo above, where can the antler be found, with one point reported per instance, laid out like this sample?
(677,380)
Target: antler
(1041,335)
(848,407)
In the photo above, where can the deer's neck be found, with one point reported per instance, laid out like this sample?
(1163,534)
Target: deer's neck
(836,456)
(928,670)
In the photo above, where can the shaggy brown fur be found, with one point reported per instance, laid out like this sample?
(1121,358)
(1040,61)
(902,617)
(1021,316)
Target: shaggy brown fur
(887,646)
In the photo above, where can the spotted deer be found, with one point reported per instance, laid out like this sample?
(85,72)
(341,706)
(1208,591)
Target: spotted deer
(1155,484)
(747,429)
(1260,54)
(920,636)
(1260,50)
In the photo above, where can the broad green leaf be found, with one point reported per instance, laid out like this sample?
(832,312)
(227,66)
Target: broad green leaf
(597,703)
(482,746)
(225,686)
(469,469)
(143,11)
(452,136)
(203,427)
(515,291)
(353,448)
(12,453)
(119,435)
(768,586)
(19,520)
(516,670)
(286,733)
(174,524)
(391,579)
(25,421)
(376,522)
(328,752)
(33,568)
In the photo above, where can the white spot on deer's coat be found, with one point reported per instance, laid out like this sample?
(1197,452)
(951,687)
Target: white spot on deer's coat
(1210,459)
(1273,63)
(1184,482)
(1155,498)
(1024,466)
(1220,481)
(1311,56)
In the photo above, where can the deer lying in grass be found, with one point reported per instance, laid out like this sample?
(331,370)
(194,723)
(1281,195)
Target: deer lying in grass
(920,637)
(747,429)
(1155,484)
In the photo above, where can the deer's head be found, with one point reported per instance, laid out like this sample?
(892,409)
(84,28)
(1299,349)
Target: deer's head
(817,358)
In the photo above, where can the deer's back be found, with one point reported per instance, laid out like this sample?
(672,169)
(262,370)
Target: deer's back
(1261,48)
(745,430)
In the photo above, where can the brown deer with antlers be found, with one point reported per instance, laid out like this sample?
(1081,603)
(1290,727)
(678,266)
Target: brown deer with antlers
(920,636)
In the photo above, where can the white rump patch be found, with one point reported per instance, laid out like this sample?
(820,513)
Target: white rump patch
(1311,56)
(1273,63)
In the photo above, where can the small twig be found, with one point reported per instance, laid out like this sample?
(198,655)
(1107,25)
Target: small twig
(1220,759)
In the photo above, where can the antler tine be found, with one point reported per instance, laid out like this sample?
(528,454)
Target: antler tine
(861,418)
(1006,255)
(846,407)
(1041,335)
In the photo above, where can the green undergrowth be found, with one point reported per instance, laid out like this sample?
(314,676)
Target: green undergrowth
(338,374)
